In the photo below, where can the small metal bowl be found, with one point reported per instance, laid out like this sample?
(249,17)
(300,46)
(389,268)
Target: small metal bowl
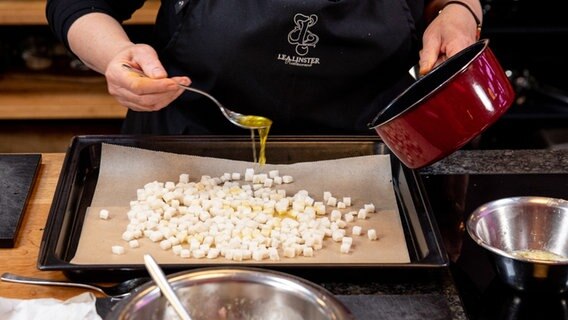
(234,293)
(527,239)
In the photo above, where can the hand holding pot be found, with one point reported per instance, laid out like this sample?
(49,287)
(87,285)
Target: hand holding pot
(447,108)
(455,27)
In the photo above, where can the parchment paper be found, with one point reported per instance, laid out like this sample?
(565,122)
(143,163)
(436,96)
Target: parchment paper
(366,179)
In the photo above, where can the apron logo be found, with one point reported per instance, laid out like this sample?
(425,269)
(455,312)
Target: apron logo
(301,36)
(302,39)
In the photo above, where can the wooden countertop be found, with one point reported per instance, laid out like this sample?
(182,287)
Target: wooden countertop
(22,259)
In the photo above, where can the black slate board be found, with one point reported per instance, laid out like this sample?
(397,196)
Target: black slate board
(17,176)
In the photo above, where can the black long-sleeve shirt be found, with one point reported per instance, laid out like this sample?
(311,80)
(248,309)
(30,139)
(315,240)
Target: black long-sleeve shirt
(62,13)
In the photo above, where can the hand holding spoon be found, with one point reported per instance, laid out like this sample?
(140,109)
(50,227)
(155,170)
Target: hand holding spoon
(241,120)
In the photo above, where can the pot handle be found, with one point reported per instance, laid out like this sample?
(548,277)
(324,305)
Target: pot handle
(414,71)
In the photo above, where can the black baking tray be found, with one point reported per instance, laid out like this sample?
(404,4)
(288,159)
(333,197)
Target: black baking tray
(79,175)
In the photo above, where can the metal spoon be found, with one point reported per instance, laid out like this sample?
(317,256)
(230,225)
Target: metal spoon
(117,291)
(241,120)
(167,290)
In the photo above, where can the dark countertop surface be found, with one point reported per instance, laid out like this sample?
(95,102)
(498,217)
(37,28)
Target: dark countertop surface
(501,162)
(461,290)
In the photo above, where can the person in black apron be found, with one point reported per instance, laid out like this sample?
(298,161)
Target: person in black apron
(313,67)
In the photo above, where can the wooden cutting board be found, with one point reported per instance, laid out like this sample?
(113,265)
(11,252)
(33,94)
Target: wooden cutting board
(17,176)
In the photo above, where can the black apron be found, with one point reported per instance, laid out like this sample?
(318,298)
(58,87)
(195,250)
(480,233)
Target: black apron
(313,66)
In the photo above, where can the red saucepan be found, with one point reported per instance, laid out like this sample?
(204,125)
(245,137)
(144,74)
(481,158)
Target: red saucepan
(444,110)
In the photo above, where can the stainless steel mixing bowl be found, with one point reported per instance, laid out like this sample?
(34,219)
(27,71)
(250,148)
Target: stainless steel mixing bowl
(527,239)
(235,293)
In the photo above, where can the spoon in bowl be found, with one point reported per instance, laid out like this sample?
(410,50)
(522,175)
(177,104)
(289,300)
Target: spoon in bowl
(241,120)
(158,276)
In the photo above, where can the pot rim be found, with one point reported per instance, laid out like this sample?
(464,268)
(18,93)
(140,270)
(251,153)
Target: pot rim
(483,42)
(482,211)
(273,278)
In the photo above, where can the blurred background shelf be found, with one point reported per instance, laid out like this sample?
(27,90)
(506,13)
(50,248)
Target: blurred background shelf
(42,113)
(47,96)
(26,97)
